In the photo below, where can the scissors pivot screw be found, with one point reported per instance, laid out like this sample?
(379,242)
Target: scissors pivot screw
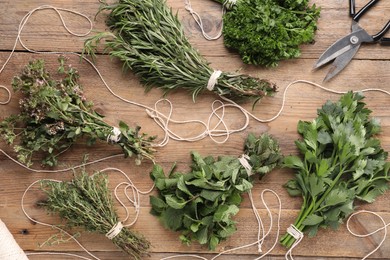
(354,39)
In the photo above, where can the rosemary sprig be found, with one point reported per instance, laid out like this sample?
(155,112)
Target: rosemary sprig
(55,114)
(86,202)
(148,38)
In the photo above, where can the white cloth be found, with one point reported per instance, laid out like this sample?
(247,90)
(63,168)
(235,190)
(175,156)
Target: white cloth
(9,249)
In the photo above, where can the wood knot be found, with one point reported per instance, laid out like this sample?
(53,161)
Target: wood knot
(24,231)
(211,25)
(99,110)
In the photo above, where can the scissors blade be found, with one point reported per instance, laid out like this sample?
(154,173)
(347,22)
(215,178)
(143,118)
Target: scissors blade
(341,62)
(343,45)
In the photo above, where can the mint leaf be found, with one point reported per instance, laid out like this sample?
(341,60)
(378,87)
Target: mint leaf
(224,212)
(175,202)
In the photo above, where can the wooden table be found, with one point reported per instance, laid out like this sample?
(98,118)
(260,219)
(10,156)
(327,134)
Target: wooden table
(44,32)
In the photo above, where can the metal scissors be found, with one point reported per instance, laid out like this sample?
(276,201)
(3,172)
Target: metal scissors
(343,50)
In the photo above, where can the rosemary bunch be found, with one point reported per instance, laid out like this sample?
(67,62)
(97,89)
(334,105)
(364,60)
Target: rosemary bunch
(201,203)
(150,41)
(55,113)
(87,202)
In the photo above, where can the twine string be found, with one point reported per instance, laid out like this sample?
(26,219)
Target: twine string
(384,228)
(9,95)
(197,18)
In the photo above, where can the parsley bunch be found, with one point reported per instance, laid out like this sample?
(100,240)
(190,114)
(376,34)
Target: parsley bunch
(267,31)
(150,41)
(55,113)
(341,162)
(201,203)
(86,202)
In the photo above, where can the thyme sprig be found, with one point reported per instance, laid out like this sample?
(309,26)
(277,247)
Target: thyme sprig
(86,202)
(150,41)
(54,114)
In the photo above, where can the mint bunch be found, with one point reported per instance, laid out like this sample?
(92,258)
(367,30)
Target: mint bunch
(201,203)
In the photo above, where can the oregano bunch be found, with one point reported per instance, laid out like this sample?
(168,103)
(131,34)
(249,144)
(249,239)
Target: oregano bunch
(201,204)
(267,31)
(54,114)
(86,202)
(149,39)
(341,162)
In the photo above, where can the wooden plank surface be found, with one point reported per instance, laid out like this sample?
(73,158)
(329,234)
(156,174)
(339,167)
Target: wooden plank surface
(44,32)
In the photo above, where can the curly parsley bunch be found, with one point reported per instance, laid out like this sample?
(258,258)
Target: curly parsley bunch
(267,31)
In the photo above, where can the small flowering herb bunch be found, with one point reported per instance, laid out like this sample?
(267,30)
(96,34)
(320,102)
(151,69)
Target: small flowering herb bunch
(54,114)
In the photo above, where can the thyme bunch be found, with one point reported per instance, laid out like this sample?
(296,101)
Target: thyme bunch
(201,203)
(86,202)
(54,114)
(149,39)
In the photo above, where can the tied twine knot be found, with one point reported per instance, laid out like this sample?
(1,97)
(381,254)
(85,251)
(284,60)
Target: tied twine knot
(243,159)
(115,135)
(213,79)
(294,232)
(230,3)
(298,235)
(114,231)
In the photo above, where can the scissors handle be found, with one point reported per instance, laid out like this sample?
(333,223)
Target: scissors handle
(356,17)
(352,9)
(379,35)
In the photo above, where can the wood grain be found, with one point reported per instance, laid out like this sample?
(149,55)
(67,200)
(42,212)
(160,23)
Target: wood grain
(44,32)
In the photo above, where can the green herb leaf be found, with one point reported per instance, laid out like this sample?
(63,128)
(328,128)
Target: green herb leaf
(312,220)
